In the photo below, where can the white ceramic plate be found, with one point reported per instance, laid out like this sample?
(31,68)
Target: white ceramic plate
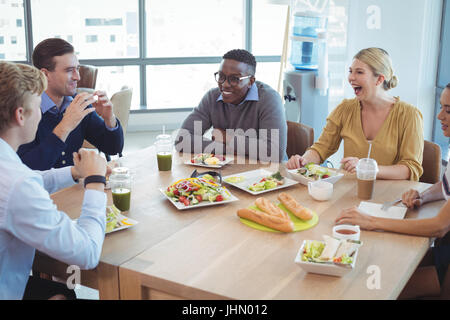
(329,269)
(215,166)
(130,221)
(251,177)
(293,174)
(181,206)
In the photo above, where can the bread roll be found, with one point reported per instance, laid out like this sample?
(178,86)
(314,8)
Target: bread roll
(296,208)
(268,207)
(268,220)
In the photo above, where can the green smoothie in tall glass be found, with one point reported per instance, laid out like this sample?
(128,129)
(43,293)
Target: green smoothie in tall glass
(164,161)
(121,198)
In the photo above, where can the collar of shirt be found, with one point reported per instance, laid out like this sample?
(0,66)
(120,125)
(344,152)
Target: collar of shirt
(7,152)
(252,95)
(47,104)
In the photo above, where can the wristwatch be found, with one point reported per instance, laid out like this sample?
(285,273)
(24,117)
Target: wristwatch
(94,179)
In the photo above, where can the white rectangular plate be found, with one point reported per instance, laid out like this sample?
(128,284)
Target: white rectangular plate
(250,177)
(293,174)
(129,220)
(374,209)
(215,166)
(181,206)
(324,268)
(132,223)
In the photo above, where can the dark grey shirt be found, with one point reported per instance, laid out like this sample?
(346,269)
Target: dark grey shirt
(258,125)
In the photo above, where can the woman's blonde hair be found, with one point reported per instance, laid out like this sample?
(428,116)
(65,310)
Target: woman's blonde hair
(380,63)
(17,82)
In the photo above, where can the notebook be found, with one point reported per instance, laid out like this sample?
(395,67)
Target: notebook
(374,209)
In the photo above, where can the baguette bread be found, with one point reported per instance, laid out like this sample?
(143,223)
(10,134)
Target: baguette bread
(293,206)
(268,220)
(269,208)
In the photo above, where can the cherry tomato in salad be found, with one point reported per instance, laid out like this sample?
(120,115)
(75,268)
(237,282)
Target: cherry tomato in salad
(219,198)
(199,198)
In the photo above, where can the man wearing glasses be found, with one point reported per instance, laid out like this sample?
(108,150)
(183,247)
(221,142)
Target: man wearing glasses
(246,115)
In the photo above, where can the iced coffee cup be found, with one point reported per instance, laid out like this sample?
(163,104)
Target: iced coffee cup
(366,174)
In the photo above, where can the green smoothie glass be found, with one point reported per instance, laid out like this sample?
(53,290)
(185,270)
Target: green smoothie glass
(164,146)
(121,191)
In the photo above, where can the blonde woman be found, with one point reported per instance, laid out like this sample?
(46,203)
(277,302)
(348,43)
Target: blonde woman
(432,277)
(394,128)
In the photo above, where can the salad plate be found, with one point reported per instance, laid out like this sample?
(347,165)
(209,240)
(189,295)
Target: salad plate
(197,192)
(115,221)
(309,252)
(209,160)
(313,172)
(259,181)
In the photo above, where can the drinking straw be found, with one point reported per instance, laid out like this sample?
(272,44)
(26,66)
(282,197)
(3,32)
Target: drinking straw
(370,149)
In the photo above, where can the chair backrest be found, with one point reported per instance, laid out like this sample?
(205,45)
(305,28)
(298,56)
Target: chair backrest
(122,102)
(431,163)
(299,138)
(88,76)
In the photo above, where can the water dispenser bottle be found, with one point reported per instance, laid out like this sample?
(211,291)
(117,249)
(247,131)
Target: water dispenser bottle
(305,42)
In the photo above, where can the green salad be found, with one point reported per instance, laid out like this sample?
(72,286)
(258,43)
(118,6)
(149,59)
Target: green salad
(193,191)
(313,249)
(114,219)
(267,183)
(315,172)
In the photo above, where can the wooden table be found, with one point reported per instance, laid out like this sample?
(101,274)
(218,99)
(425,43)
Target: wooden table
(207,253)
(157,219)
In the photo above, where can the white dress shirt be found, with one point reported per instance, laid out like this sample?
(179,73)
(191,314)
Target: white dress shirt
(29,220)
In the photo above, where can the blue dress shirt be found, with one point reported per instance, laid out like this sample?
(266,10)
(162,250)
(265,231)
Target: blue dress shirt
(29,220)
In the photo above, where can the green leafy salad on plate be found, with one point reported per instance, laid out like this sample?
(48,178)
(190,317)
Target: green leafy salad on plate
(268,183)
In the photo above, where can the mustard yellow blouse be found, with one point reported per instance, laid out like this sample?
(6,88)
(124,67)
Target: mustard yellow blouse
(399,141)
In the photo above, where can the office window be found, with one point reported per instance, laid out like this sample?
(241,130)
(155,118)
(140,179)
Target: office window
(91,38)
(90,19)
(104,22)
(180,28)
(112,79)
(171,64)
(178,86)
(268,27)
(12,32)
(2,56)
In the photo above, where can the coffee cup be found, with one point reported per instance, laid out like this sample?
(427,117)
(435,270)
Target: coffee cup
(366,174)
(320,190)
(346,232)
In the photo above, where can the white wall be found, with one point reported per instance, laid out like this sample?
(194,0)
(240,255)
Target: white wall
(409,31)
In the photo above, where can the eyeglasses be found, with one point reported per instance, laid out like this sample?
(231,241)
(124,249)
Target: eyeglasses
(232,80)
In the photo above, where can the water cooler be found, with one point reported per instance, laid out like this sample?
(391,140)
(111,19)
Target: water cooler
(305,82)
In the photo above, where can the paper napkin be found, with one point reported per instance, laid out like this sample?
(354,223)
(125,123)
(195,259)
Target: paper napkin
(374,209)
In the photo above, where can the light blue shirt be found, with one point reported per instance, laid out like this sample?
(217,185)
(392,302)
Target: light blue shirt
(252,95)
(29,220)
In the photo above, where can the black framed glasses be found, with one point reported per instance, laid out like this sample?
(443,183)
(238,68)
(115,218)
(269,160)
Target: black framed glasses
(232,80)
